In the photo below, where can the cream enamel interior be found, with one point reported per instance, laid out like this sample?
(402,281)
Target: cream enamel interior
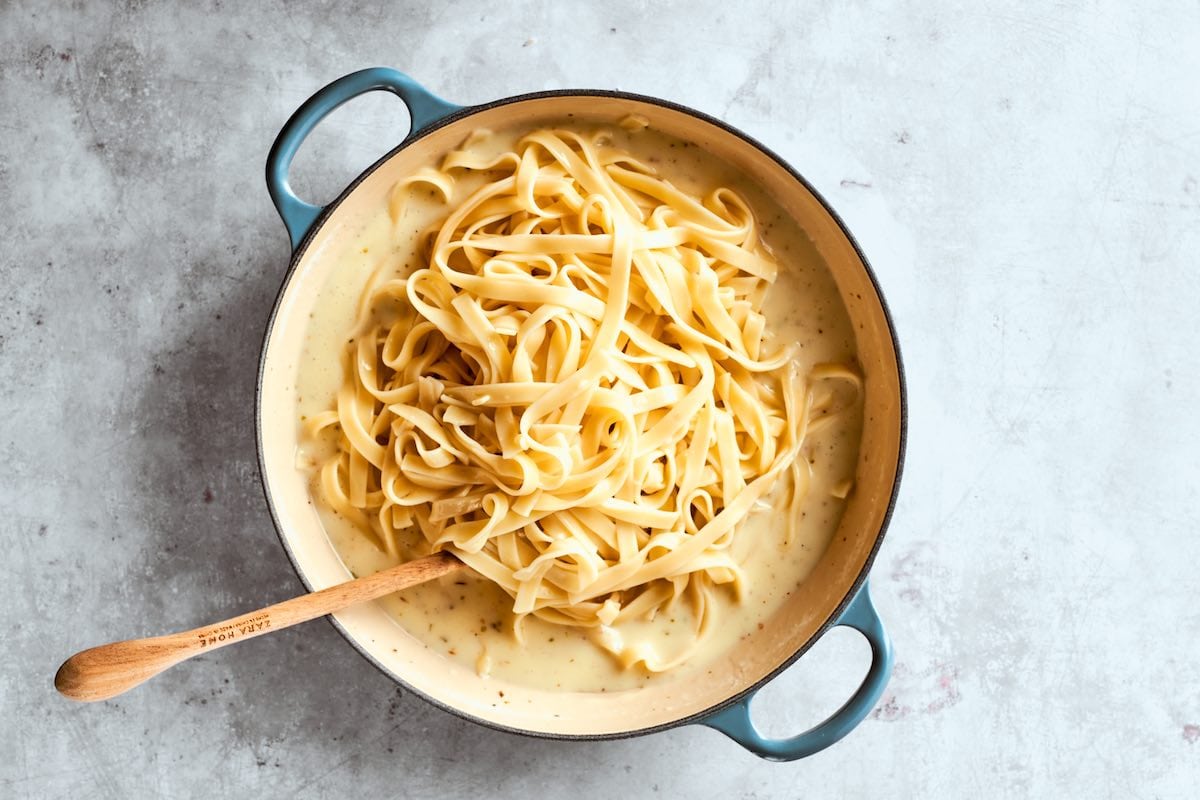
(789,630)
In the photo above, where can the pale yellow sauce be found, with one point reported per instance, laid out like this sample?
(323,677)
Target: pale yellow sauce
(467,618)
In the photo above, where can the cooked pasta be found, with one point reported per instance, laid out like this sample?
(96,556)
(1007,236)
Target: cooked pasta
(575,391)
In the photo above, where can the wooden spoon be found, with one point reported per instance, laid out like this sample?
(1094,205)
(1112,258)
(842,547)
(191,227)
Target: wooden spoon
(107,671)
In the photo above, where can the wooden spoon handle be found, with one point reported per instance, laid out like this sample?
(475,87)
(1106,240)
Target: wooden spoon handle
(108,670)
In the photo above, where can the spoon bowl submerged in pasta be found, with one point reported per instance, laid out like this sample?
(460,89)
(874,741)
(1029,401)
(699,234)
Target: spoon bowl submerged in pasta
(586,368)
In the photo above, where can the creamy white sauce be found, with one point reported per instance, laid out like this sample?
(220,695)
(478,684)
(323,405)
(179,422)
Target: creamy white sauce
(467,618)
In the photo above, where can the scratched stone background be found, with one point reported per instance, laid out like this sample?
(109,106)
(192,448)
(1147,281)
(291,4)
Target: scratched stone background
(1025,178)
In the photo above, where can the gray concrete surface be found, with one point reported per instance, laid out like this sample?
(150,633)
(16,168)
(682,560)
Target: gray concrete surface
(1026,179)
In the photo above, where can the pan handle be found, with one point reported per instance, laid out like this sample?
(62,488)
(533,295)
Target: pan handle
(424,109)
(735,722)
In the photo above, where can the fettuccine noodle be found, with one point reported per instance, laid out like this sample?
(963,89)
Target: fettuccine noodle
(574,393)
